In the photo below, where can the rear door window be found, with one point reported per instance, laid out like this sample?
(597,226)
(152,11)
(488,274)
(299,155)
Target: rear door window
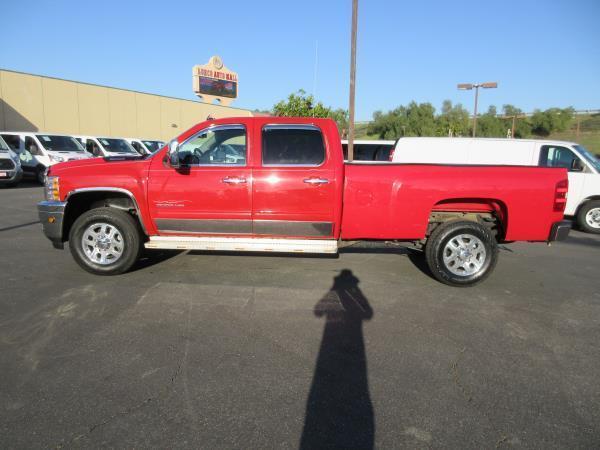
(292,145)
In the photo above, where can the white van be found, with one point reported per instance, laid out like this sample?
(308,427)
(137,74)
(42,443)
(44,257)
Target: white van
(38,151)
(583,200)
(106,146)
(145,146)
(10,166)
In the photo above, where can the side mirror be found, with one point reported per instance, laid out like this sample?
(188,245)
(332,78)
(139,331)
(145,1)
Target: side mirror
(576,165)
(173,155)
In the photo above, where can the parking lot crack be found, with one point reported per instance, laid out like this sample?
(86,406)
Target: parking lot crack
(456,376)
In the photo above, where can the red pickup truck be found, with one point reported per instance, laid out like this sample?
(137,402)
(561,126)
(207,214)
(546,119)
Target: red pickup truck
(273,184)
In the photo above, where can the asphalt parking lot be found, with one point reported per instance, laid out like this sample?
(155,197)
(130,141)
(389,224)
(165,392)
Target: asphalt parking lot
(196,350)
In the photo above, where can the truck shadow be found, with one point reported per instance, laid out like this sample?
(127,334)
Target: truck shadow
(416,257)
(339,411)
(152,257)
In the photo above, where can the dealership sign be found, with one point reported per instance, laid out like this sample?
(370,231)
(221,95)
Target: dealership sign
(213,81)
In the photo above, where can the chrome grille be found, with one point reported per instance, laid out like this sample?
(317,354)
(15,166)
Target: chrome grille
(6,164)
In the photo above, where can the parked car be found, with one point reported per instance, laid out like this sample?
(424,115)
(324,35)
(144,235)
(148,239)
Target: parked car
(584,169)
(366,150)
(106,146)
(10,166)
(38,151)
(292,192)
(145,146)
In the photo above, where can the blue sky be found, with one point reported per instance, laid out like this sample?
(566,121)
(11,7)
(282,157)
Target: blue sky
(542,53)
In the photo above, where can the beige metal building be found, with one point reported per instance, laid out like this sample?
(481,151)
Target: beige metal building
(37,103)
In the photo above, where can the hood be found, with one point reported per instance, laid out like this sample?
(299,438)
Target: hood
(92,164)
(71,156)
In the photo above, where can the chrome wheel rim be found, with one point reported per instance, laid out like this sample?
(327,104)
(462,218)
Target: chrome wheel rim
(464,255)
(102,243)
(592,218)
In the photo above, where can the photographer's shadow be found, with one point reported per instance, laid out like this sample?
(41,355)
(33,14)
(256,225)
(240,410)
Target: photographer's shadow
(339,412)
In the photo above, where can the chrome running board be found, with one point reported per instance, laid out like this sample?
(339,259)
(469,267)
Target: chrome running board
(243,244)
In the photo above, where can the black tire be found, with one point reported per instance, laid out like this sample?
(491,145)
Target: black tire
(593,208)
(436,248)
(130,242)
(40,175)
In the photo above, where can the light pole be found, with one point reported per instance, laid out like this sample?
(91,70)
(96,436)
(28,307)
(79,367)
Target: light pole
(468,87)
(352,80)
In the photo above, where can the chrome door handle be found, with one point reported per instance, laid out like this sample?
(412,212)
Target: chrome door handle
(233,180)
(315,181)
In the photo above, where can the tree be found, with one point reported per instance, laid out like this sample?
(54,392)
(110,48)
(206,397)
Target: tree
(453,121)
(420,119)
(543,123)
(490,125)
(302,105)
(390,125)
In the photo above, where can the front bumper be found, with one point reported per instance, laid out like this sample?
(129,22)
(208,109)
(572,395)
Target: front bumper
(14,176)
(560,230)
(51,215)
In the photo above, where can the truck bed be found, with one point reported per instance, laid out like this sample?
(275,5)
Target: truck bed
(394,201)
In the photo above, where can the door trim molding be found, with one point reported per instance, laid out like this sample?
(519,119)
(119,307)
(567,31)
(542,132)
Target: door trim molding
(210,226)
(241,226)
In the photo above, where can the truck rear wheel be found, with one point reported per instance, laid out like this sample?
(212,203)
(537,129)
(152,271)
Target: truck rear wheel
(461,253)
(105,241)
(588,217)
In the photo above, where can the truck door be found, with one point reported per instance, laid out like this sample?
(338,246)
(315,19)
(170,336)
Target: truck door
(294,188)
(210,194)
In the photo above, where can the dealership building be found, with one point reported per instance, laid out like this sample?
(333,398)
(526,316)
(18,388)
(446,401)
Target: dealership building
(31,102)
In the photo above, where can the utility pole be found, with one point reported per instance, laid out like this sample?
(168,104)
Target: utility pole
(468,87)
(352,79)
(475,113)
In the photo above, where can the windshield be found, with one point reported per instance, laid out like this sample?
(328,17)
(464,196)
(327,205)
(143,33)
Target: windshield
(117,146)
(59,143)
(589,157)
(3,145)
(153,145)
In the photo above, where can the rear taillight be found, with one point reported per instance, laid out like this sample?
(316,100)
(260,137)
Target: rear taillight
(560,195)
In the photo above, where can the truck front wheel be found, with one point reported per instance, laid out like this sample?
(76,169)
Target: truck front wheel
(105,241)
(588,217)
(461,253)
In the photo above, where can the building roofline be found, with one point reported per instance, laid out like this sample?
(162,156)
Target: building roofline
(121,89)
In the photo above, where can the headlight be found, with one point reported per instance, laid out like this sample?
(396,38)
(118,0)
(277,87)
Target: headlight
(56,158)
(51,189)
